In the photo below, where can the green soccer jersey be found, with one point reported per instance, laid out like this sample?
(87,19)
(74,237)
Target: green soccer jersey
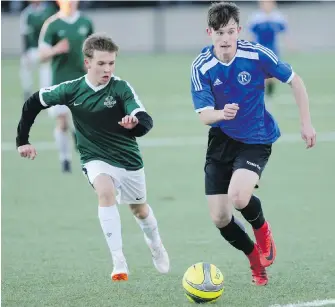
(32,19)
(96,111)
(76,29)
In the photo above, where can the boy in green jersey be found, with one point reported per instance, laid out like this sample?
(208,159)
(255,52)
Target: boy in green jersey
(108,116)
(31,21)
(60,42)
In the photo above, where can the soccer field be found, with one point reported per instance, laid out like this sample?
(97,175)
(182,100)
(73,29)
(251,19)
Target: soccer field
(53,251)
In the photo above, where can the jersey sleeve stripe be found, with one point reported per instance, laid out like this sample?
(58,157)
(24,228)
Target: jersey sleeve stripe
(207,66)
(245,43)
(41,97)
(138,101)
(267,50)
(263,49)
(195,72)
(204,108)
(291,77)
(134,112)
(260,47)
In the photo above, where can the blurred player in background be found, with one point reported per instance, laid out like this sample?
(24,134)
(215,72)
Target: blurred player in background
(265,25)
(108,117)
(31,22)
(60,41)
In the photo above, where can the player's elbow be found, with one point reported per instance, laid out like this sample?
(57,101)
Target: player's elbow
(296,81)
(205,117)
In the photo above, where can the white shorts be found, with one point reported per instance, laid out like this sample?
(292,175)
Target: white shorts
(29,62)
(57,110)
(130,185)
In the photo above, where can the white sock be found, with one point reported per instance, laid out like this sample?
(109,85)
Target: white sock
(149,227)
(26,75)
(63,142)
(111,226)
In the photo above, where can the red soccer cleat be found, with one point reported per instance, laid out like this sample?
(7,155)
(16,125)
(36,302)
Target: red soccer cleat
(120,277)
(259,276)
(266,244)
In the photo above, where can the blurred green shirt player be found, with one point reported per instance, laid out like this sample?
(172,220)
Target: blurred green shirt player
(60,41)
(31,22)
(108,117)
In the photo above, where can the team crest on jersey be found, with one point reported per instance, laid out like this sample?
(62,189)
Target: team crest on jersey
(110,102)
(61,33)
(83,31)
(244,77)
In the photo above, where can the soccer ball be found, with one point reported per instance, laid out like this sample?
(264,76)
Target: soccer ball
(203,283)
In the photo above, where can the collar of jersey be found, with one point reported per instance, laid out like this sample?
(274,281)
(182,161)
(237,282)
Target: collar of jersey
(225,64)
(70,19)
(97,88)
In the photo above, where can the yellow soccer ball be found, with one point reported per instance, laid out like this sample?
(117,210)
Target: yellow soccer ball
(203,283)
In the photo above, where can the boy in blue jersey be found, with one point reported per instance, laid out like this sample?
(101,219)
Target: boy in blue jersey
(228,93)
(265,25)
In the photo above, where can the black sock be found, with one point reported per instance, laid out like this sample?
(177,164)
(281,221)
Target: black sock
(270,87)
(237,237)
(253,212)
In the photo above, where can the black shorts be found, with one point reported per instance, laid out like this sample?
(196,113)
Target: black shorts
(225,155)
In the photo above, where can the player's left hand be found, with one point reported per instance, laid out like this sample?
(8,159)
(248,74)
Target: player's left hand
(308,134)
(129,122)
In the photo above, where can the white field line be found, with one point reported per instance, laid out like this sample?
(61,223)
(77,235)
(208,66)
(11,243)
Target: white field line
(309,304)
(288,138)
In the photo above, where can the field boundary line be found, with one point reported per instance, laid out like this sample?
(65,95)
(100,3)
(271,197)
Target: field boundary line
(316,303)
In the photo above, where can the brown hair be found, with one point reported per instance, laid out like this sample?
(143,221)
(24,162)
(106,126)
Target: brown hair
(220,13)
(100,42)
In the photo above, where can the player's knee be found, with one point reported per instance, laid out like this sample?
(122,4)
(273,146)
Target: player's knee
(62,123)
(104,188)
(106,197)
(239,198)
(140,211)
(222,219)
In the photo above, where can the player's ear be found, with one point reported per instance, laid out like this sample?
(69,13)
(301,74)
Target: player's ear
(239,29)
(209,31)
(87,62)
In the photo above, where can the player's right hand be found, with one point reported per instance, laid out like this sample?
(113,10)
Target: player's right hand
(63,46)
(27,151)
(230,111)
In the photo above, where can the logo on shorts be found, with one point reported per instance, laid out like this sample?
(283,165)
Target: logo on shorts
(139,198)
(244,77)
(253,164)
(110,102)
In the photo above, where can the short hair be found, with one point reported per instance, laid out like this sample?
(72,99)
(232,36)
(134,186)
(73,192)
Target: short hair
(100,42)
(220,13)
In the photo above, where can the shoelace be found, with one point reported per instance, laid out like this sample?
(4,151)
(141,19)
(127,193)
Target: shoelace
(157,252)
(265,242)
(258,271)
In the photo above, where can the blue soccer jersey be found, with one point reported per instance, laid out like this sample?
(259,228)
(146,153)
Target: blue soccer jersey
(265,28)
(241,81)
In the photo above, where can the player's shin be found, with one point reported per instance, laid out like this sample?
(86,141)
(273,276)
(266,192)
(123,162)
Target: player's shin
(253,212)
(26,78)
(254,215)
(63,145)
(237,237)
(148,225)
(111,226)
(145,218)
